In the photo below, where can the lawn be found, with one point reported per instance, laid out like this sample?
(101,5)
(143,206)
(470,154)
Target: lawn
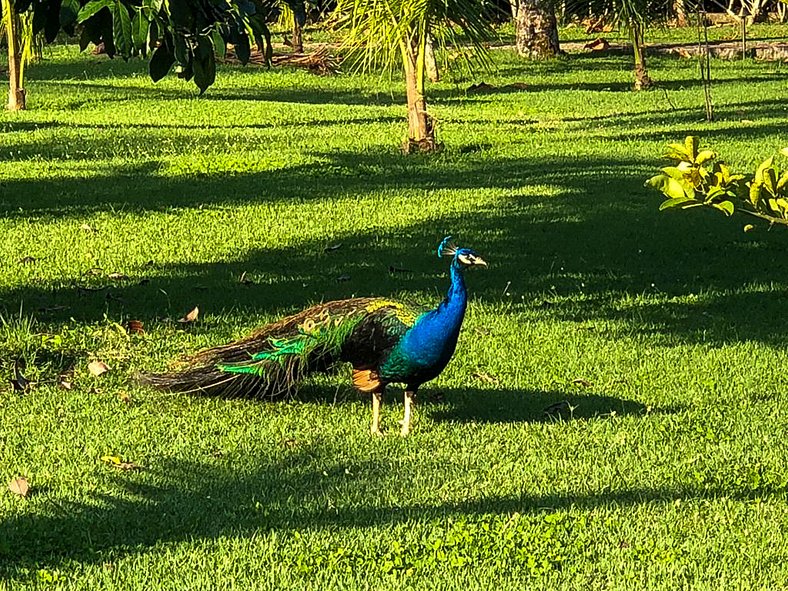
(663,334)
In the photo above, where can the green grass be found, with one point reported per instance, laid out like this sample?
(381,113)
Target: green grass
(666,471)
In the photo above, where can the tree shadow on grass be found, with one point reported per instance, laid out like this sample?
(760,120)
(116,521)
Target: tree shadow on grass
(176,501)
(582,255)
(499,406)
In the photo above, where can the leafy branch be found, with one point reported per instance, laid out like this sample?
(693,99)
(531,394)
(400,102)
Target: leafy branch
(699,179)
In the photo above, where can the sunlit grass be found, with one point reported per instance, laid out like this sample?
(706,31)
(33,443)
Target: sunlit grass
(613,417)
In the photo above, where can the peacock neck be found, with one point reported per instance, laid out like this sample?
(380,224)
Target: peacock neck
(457,297)
(451,311)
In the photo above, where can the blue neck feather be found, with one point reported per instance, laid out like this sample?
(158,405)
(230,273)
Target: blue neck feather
(428,346)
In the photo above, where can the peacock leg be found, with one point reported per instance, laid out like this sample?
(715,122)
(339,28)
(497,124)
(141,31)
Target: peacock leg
(377,398)
(410,401)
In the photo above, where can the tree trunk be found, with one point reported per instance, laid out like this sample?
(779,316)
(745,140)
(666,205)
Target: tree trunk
(536,29)
(421,132)
(16,93)
(680,11)
(430,63)
(642,79)
(298,38)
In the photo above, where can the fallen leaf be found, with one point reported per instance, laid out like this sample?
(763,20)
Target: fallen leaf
(598,44)
(19,383)
(125,397)
(333,247)
(191,316)
(558,408)
(88,228)
(485,377)
(518,86)
(117,276)
(582,382)
(28,260)
(19,486)
(97,367)
(135,327)
(749,228)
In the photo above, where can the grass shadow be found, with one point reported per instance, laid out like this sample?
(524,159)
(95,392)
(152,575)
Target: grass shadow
(499,405)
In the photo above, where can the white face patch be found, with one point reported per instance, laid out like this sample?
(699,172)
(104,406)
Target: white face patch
(465,259)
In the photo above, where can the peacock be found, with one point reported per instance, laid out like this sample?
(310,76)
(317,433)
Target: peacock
(384,340)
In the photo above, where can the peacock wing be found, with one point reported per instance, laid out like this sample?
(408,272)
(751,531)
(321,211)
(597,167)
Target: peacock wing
(384,323)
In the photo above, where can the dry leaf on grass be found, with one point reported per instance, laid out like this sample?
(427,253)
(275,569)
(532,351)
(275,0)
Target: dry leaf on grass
(485,377)
(19,383)
(598,44)
(582,382)
(135,327)
(333,247)
(191,316)
(19,486)
(88,228)
(97,367)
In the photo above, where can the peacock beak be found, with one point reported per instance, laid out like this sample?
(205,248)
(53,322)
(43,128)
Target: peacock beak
(479,262)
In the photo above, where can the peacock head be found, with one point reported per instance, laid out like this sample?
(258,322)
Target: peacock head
(462,258)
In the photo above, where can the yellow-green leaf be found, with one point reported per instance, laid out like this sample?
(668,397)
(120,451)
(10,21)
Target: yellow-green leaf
(705,156)
(667,204)
(755,192)
(726,206)
(766,164)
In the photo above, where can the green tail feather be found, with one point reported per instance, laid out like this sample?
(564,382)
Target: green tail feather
(274,359)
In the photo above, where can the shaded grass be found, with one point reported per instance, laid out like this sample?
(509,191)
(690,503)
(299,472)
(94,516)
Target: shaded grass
(662,468)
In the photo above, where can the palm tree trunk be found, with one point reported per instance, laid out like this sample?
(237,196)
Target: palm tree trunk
(13,30)
(642,79)
(680,11)
(430,62)
(536,29)
(298,38)
(421,133)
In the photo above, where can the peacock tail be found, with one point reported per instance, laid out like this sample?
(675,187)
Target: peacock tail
(272,361)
